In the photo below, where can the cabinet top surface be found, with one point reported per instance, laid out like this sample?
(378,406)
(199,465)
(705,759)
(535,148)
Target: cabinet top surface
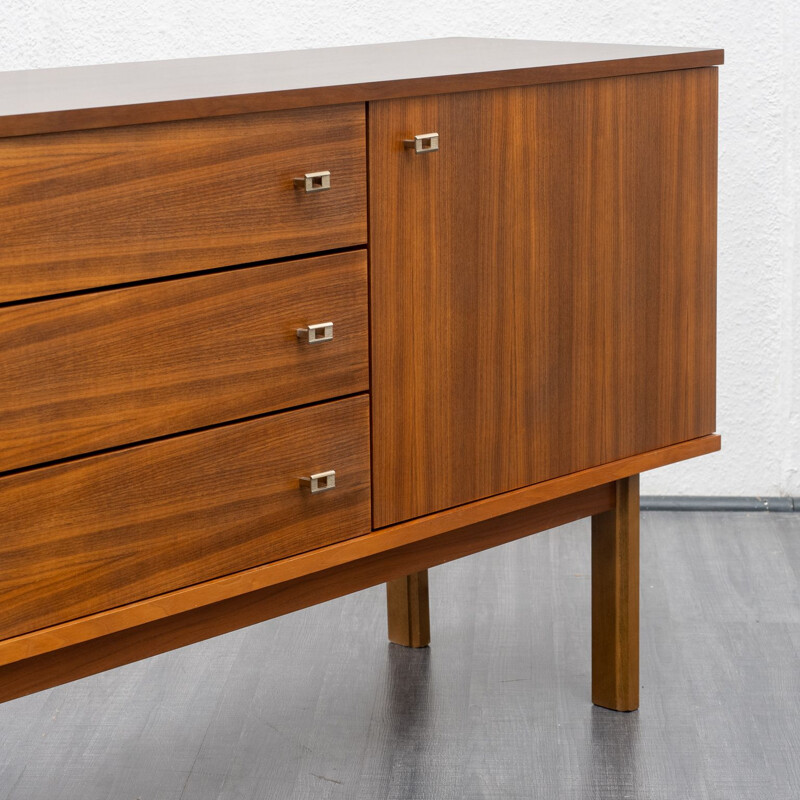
(70,98)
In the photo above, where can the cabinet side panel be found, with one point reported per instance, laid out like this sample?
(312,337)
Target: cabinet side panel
(542,287)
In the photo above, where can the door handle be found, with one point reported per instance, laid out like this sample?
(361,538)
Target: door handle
(319,482)
(314,181)
(321,332)
(422,143)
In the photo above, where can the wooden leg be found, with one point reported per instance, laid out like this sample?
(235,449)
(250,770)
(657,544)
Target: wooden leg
(409,618)
(615,601)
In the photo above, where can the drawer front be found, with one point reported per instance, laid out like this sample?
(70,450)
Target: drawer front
(97,208)
(98,370)
(81,537)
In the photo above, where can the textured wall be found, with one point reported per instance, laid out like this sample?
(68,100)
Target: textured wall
(759,254)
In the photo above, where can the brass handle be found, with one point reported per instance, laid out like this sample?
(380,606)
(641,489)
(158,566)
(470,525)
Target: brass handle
(321,332)
(314,181)
(319,482)
(422,143)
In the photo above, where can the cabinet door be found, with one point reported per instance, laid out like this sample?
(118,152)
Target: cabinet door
(542,286)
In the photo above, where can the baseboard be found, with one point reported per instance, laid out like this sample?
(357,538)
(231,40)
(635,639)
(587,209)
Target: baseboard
(674,503)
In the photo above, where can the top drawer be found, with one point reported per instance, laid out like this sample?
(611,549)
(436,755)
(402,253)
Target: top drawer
(96,208)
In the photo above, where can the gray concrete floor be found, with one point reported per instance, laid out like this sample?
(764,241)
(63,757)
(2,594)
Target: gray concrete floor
(318,705)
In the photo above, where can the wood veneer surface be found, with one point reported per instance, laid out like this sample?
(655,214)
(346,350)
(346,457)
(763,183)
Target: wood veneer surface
(95,208)
(109,368)
(92,534)
(542,287)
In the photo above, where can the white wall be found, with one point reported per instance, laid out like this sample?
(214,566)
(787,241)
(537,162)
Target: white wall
(759,252)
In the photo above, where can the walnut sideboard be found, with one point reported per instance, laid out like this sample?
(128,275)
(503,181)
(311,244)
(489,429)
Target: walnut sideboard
(276,328)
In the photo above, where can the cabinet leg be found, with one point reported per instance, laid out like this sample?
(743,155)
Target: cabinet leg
(409,618)
(615,601)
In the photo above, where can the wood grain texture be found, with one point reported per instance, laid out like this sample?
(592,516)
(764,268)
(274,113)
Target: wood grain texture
(542,287)
(88,658)
(97,208)
(99,370)
(387,540)
(408,610)
(89,535)
(46,100)
(615,600)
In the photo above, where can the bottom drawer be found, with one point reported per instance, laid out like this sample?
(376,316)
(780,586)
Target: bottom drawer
(85,536)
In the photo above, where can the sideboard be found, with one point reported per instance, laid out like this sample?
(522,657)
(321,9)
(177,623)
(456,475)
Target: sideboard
(275,328)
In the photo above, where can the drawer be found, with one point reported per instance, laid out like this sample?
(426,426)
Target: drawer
(102,207)
(93,371)
(89,535)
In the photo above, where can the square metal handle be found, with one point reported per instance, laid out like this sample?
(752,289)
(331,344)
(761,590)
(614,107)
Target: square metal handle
(314,181)
(319,482)
(422,143)
(321,332)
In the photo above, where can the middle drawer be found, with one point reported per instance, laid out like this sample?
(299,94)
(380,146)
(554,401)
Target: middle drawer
(95,371)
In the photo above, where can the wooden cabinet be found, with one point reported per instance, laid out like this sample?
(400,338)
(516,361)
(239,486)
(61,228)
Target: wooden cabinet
(277,328)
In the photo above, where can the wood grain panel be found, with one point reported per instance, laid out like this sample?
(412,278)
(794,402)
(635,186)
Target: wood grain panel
(81,537)
(46,100)
(99,370)
(386,540)
(87,658)
(95,208)
(542,287)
